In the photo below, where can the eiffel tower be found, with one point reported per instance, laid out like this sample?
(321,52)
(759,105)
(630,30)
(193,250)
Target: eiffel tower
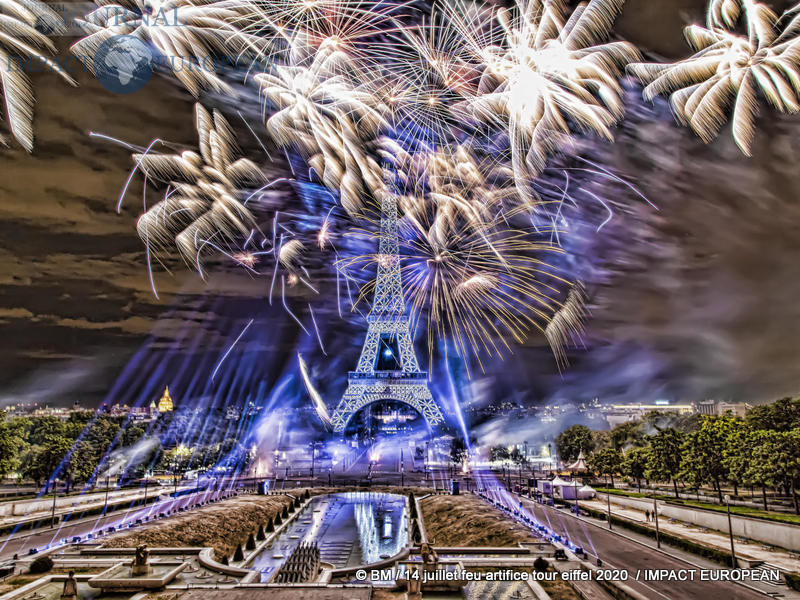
(387,368)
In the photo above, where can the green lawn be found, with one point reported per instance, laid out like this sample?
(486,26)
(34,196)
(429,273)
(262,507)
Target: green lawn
(744,511)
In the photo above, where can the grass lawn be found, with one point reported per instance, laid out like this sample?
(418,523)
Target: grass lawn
(744,511)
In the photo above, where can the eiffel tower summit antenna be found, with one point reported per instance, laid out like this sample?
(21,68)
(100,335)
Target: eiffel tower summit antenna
(387,368)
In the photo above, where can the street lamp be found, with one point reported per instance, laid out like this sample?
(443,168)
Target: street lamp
(608,506)
(577,508)
(734,562)
(655,515)
(425,460)
(55,495)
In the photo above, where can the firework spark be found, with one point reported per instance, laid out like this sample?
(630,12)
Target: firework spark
(316,398)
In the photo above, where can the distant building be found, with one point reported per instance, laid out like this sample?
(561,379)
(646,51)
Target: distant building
(712,407)
(617,414)
(706,407)
(737,410)
(165,404)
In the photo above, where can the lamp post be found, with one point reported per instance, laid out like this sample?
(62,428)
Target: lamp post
(734,562)
(105,506)
(608,506)
(55,495)
(655,515)
(425,460)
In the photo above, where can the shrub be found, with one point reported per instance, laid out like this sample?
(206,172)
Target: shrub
(41,565)
(540,564)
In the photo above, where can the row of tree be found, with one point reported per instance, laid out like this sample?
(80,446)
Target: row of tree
(760,450)
(85,446)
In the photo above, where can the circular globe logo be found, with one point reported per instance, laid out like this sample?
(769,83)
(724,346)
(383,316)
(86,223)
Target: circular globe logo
(123,64)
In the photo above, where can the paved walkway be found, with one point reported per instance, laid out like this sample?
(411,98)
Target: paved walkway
(744,549)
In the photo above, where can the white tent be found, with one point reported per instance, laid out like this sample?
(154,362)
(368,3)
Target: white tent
(579,465)
(586,493)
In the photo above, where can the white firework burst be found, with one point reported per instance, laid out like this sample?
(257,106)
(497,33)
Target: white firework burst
(728,71)
(190,35)
(458,184)
(543,75)
(21,43)
(324,111)
(202,208)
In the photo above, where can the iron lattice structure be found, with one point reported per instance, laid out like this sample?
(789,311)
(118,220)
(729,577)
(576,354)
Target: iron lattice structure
(387,331)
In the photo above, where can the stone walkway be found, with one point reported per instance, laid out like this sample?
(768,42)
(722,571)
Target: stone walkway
(753,550)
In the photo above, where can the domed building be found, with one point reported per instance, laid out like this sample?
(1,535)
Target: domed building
(165,403)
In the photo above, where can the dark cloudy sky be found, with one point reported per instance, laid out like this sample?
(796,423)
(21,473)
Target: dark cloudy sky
(697,298)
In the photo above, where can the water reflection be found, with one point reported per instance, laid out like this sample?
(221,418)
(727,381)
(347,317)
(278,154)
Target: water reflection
(350,528)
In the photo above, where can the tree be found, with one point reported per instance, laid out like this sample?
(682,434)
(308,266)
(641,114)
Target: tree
(572,441)
(606,461)
(754,460)
(781,415)
(12,444)
(518,458)
(634,463)
(736,454)
(627,434)
(703,458)
(664,458)
(776,461)
(601,438)
(498,453)
(176,460)
(132,434)
(82,462)
(42,427)
(46,458)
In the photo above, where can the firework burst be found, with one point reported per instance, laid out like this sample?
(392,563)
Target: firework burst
(20,42)
(469,274)
(728,70)
(481,289)
(323,112)
(190,35)
(542,74)
(202,207)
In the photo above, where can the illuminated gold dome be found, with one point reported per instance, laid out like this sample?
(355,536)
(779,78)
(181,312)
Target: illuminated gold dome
(165,404)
